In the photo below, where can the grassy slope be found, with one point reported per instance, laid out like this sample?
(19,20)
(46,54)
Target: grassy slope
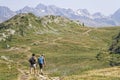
(66,54)
(71,51)
(99,74)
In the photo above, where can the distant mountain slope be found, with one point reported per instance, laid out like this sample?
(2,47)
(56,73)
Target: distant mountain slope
(81,14)
(95,20)
(6,13)
(116,17)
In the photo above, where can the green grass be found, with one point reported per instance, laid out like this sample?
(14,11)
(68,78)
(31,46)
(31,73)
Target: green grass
(7,73)
(68,50)
(98,74)
(72,54)
(92,78)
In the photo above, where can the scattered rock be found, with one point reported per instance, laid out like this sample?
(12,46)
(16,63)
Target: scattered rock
(55,78)
(4,58)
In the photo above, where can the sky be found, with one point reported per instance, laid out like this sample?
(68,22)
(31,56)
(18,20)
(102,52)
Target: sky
(107,7)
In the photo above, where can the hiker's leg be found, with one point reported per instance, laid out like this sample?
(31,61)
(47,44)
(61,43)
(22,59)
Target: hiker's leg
(40,66)
(30,69)
(41,69)
(34,70)
(34,66)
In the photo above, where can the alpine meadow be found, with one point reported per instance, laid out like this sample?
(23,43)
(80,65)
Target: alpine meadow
(72,50)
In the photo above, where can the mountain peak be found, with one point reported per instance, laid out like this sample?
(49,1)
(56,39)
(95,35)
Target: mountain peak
(3,7)
(98,15)
(83,11)
(5,13)
(40,6)
(116,17)
(118,11)
(27,7)
(52,6)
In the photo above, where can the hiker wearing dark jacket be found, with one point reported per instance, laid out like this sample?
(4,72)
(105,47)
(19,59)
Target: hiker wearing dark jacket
(32,62)
(41,62)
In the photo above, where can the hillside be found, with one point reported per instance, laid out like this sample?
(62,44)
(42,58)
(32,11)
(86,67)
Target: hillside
(115,47)
(69,48)
(25,23)
(100,74)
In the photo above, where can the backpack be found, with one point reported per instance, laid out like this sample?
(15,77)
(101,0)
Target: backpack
(40,60)
(32,60)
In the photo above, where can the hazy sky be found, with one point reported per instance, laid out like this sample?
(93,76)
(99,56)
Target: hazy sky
(106,7)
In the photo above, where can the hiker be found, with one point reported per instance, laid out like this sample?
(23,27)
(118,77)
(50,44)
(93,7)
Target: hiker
(41,62)
(32,62)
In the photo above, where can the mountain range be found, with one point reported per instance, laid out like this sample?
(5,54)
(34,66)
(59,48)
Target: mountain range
(96,20)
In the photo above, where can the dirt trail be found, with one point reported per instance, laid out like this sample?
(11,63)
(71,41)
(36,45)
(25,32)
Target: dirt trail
(65,40)
(23,48)
(59,38)
(86,33)
(24,75)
